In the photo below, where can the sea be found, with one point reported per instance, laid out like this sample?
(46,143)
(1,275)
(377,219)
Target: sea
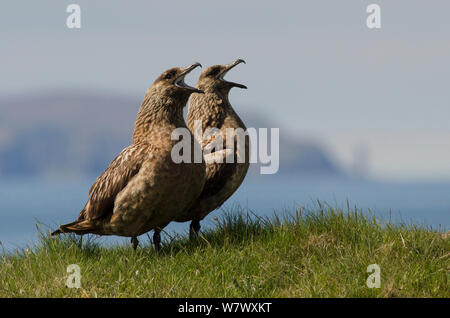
(29,204)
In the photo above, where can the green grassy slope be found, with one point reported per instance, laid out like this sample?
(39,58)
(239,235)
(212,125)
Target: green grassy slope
(320,254)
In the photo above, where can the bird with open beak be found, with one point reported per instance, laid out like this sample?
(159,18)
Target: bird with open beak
(214,110)
(143,189)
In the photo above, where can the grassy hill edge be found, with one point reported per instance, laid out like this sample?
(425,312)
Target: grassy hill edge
(321,253)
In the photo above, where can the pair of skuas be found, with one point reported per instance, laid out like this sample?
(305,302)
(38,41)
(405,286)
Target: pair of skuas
(143,189)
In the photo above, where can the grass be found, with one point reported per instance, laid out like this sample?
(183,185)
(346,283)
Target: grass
(311,254)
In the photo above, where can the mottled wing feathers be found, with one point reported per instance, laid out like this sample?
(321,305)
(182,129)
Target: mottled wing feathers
(217,175)
(105,189)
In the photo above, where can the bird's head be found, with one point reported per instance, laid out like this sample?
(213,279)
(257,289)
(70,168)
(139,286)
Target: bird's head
(212,78)
(171,82)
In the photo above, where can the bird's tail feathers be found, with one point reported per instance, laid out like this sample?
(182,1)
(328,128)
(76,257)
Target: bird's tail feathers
(77,227)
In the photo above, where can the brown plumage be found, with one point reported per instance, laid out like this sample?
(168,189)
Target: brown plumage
(214,110)
(143,189)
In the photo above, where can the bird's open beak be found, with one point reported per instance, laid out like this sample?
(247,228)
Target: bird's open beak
(225,71)
(179,81)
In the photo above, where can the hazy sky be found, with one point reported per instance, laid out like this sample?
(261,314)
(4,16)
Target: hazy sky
(312,66)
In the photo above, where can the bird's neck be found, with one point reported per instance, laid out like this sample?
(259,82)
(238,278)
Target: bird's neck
(210,108)
(156,115)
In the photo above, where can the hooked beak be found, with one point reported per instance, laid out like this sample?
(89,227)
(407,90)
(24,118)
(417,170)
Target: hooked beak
(179,81)
(225,71)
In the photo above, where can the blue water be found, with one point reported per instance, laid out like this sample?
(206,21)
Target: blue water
(23,202)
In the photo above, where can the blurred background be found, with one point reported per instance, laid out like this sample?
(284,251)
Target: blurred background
(363,113)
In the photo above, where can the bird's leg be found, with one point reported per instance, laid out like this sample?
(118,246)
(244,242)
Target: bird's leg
(193,229)
(134,243)
(157,239)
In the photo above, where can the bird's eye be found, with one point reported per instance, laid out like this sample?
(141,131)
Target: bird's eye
(169,75)
(214,72)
